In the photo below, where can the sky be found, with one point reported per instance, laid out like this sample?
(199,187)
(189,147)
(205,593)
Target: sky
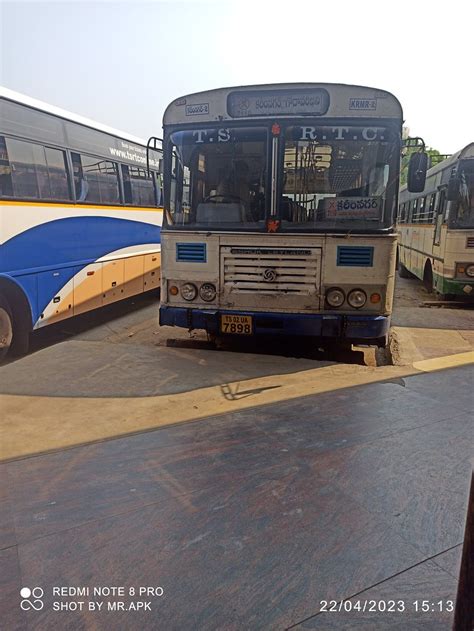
(121,63)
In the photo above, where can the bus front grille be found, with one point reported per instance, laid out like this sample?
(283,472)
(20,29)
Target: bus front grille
(270,270)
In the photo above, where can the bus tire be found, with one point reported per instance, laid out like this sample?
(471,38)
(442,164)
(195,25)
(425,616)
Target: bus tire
(6,328)
(403,272)
(20,315)
(428,277)
(21,340)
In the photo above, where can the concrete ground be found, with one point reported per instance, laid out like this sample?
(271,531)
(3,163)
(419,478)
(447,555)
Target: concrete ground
(251,482)
(142,376)
(270,517)
(425,329)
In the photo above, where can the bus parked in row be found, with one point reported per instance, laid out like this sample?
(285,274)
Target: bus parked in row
(436,227)
(280,205)
(80,217)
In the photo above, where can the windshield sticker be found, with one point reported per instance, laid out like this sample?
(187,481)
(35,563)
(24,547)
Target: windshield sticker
(197,110)
(352,207)
(363,104)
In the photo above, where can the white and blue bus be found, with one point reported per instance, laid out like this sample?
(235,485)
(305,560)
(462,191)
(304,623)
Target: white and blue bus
(80,217)
(280,205)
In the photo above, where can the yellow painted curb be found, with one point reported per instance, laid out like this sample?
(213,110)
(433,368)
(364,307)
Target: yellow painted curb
(449,361)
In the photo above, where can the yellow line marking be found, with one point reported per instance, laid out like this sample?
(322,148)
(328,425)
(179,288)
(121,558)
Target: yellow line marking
(449,361)
(85,206)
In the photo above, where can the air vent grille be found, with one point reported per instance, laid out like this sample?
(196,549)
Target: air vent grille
(355,256)
(191,252)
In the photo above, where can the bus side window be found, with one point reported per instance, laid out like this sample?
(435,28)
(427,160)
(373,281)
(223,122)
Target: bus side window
(95,179)
(421,209)
(37,172)
(141,190)
(414,211)
(81,186)
(442,203)
(127,185)
(431,211)
(158,189)
(402,215)
(6,188)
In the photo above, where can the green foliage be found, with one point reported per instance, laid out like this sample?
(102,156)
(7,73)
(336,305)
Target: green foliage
(434,157)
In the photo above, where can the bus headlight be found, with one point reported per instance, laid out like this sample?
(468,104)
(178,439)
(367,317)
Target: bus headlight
(189,291)
(207,291)
(357,298)
(470,270)
(335,297)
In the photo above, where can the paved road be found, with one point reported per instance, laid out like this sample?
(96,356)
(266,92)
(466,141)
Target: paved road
(304,476)
(252,518)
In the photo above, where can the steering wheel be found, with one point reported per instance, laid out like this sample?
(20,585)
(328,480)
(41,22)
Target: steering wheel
(222,198)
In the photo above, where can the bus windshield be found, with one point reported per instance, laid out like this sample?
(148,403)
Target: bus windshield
(463,217)
(338,177)
(328,178)
(218,178)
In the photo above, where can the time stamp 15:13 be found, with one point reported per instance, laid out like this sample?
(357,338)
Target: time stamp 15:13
(387,606)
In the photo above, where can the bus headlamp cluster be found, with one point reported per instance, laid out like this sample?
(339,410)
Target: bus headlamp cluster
(470,270)
(465,269)
(356,298)
(189,291)
(207,291)
(335,297)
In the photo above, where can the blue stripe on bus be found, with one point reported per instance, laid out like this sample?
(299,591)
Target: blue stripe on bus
(60,245)
(357,326)
(64,241)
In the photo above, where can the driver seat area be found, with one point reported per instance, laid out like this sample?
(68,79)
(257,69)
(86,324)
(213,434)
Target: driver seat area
(209,212)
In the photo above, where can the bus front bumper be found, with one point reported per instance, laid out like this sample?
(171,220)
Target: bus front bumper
(360,328)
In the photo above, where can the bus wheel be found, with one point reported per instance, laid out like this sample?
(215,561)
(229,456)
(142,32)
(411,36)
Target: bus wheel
(428,278)
(403,272)
(6,328)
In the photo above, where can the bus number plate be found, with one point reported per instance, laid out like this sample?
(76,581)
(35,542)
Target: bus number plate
(236,324)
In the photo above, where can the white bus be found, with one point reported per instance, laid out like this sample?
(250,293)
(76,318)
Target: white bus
(280,203)
(436,228)
(80,216)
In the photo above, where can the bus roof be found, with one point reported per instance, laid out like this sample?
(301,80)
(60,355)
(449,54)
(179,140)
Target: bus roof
(280,100)
(28,101)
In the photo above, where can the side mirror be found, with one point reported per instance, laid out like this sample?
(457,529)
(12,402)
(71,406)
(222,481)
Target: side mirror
(417,168)
(452,194)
